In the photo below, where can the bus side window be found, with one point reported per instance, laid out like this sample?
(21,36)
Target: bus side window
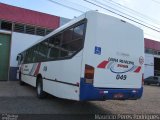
(78,32)
(23,57)
(54,46)
(33,55)
(29,55)
(42,51)
(35,52)
(76,42)
(26,56)
(67,35)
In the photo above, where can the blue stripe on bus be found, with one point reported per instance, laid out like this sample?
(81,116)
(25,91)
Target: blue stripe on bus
(89,92)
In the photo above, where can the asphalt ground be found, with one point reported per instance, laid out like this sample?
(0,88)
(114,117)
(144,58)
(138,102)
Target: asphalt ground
(16,99)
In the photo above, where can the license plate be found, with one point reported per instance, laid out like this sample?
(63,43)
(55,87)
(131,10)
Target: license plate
(118,96)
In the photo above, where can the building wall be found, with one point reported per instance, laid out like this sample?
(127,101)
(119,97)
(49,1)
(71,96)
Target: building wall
(26,16)
(25,22)
(149,65)
(152,50)
(19,42)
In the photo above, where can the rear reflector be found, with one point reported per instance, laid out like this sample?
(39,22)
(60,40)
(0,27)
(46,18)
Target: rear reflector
(89,81)
(101,92)
(89,74)
(134,91)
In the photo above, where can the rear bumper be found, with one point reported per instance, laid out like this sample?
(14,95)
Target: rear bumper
(88,92)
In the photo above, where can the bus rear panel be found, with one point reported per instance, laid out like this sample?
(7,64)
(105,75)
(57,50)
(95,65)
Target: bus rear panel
(113,58)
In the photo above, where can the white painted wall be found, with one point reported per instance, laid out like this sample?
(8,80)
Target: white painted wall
(20,42)
(149,65)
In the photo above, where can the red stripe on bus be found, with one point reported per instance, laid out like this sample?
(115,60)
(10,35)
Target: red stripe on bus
(37,69)
(103,64)
(138,69)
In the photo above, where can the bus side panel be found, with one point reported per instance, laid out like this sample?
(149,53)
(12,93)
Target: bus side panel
(29,80)
(61,90)
(28,73)
(67,76)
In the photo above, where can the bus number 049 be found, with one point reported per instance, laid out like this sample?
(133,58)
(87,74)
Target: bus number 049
(121,77)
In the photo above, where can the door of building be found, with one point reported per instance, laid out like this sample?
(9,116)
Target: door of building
(5,41)
(157,66)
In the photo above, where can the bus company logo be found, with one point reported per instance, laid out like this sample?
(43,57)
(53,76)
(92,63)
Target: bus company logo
(141,60)
(118,68)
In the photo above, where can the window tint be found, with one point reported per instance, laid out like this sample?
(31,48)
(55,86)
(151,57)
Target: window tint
(67,36)
(72,41)
(42,50)
(78,31)
(151,77)
(155,78)
(27,57)
(54,46)
(62,45)
(23,56)
(36,53)
(70,48)
(30,55)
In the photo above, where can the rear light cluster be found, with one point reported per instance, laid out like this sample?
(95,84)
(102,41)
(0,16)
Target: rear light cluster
(89,74)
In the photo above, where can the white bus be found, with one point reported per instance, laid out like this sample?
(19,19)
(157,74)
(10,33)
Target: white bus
(93,57)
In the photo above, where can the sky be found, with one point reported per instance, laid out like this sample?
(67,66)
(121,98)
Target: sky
(145,12)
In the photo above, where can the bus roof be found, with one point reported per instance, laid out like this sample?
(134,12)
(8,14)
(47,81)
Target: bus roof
(73,21)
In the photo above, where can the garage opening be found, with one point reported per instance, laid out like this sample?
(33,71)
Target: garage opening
(6,25)
(5,41)
(157,66)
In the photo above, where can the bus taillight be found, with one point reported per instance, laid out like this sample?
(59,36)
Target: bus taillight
(89,74)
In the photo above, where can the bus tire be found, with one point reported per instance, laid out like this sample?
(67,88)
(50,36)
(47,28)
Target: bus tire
(20,81)
(39,88)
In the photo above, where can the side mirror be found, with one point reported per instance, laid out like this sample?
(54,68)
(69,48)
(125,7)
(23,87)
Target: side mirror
(17,57)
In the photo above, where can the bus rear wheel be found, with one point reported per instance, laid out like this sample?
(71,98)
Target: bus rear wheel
(39,88)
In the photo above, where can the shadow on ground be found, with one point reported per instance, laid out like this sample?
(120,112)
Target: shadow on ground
(23,100)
